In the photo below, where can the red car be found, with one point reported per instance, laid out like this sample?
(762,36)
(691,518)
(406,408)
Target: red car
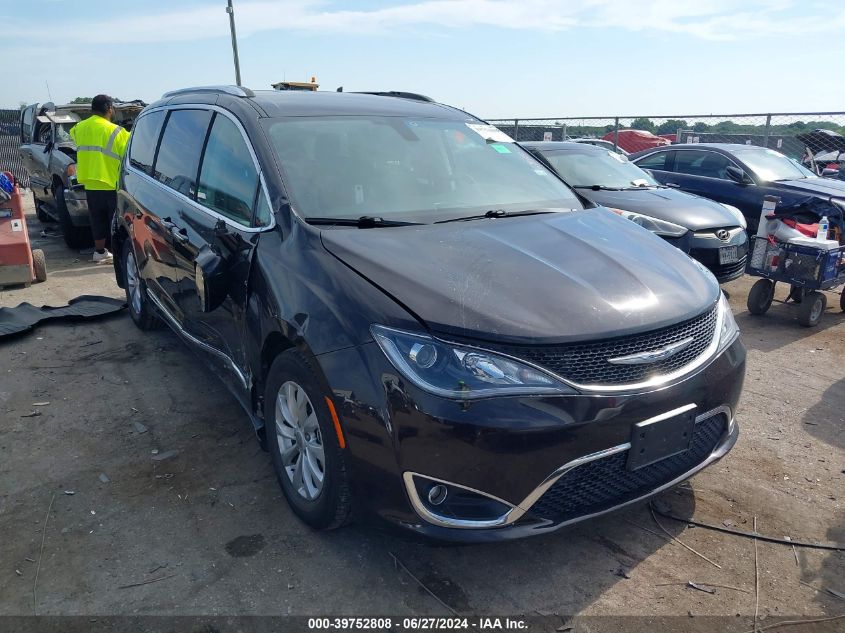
(636,140)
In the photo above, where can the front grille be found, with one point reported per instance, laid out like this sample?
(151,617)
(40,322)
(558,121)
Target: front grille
(605,483)
(586,363)
(728,272)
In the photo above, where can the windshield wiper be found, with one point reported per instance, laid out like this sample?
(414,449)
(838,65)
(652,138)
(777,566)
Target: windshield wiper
(362,222)
(498,213)
(598,187)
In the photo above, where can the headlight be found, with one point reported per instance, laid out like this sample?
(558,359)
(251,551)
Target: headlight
(729,330)
(458,372)
(737,214)
(656,226)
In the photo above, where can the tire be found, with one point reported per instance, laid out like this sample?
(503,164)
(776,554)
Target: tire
(322,505)
(812,308)
(39,265)
(760,297)
(140,308)
(842,300)
(76,237)
(40,213)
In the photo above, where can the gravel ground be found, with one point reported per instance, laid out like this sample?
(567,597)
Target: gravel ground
(152,474)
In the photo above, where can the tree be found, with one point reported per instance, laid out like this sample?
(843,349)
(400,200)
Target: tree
(642,123)
(82,100)
(701,126)
(672,126)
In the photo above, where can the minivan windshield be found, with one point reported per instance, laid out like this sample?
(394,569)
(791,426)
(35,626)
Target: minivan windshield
(602,168)
(770,165)
(409,169)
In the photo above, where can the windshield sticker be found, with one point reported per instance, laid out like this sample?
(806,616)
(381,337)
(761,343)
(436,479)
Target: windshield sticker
(500,148)
(489,133)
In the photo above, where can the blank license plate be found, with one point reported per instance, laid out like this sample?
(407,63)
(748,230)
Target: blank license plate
(659,438)
(728,255)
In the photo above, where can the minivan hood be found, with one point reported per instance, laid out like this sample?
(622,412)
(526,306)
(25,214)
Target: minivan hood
(556,278)
(672,205)
(818,186)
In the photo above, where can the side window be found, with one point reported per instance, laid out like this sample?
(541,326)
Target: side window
(263,211)
(144,140)
(181,146)
(228,178)
(26,124)
(654,161)
(698,163)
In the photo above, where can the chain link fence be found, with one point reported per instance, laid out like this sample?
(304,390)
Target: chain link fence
(10,141)
(816,139)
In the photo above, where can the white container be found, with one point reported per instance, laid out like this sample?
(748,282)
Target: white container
(811,242)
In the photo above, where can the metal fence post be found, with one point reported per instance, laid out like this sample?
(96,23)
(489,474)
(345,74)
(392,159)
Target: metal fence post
(516,129)
(563,135)
(766,131)
(616,133)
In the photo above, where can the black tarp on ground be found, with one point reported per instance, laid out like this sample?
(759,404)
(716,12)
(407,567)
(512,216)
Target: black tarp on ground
(24,317)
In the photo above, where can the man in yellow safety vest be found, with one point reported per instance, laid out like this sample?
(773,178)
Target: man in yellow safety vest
(100,145)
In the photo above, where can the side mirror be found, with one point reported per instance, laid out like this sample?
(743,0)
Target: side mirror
(830,173)
(212,279)
(737,175)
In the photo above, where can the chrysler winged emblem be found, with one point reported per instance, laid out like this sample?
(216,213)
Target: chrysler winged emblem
(652,356)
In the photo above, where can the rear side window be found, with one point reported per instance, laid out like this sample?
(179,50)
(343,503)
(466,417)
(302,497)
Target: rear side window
(228,178)
(707,164)
(654,161)
(144,140)
(181,146)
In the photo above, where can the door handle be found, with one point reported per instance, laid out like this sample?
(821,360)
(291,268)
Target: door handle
(179,234)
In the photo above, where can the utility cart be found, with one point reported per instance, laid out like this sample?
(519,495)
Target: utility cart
(19,263)
(809,269)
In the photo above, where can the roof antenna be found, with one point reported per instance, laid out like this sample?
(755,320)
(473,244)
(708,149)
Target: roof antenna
(340,89)
(48,89)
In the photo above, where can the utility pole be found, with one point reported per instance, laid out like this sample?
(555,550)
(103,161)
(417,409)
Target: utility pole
(231,11)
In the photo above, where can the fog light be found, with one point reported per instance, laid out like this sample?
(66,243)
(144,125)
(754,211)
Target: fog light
(437,494)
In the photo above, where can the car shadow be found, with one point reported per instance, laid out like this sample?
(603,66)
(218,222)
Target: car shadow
(825,420)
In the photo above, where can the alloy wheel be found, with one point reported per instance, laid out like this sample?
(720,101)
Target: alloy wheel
(133,283)
(299,440)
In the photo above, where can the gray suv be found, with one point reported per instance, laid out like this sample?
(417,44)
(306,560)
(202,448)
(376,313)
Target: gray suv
(49,156)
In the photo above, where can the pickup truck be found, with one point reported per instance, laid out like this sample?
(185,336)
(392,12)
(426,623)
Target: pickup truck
(49,156)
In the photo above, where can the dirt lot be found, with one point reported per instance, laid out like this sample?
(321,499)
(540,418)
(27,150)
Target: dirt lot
(153,474)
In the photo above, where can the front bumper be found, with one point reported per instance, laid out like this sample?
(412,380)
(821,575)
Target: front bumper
(516,450)
(705,247)
(77,206)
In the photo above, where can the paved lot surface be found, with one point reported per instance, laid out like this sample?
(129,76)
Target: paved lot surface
(204,517)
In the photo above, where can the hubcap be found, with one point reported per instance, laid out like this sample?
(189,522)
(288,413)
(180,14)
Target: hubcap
(133,283)
(299,440)
(817,310)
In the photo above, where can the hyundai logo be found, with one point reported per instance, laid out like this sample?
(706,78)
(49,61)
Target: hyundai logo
(723,234)
(644,358)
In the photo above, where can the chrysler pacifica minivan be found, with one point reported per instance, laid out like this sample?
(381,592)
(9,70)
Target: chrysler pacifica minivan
(420,319)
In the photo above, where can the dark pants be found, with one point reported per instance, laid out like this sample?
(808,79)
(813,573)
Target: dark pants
(101,208)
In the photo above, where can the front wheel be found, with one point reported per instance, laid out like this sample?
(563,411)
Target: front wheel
(812,308)
(842,300)
(140,308)
(39,265)
(76,237)
(305,440)
(760,297)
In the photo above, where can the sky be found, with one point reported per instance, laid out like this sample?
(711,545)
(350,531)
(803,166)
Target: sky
(494,58)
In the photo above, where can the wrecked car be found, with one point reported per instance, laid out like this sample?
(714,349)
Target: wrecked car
(421,320)
(49,156)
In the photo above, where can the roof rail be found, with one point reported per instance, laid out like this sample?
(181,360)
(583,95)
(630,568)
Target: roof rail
(400,95)
(235,91)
